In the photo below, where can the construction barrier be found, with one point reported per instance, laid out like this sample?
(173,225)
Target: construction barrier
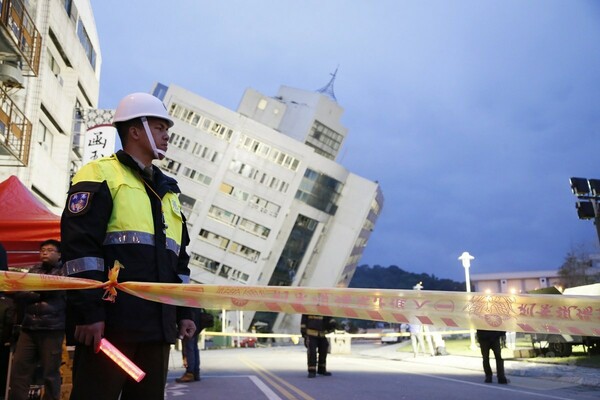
(527,313)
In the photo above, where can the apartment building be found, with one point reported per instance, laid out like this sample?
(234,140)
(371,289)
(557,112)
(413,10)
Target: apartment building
(265,200)
(49,76)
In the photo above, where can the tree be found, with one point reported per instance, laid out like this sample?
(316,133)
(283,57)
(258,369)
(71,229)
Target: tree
(578,269)
(393,277)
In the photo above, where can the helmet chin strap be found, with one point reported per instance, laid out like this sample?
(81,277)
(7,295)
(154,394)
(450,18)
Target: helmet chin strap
(157,152)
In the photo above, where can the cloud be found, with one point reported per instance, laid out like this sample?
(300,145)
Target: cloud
(471,115)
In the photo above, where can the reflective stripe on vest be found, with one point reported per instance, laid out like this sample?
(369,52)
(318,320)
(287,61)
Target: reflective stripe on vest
(137,238)
(129,222)
(83,264)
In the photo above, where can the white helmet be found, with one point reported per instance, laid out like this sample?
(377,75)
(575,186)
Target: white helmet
(137,105)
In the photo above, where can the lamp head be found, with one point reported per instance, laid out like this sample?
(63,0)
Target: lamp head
(580,186)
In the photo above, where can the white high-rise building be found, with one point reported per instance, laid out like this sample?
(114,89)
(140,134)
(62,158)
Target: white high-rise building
(265,201)
(49,75)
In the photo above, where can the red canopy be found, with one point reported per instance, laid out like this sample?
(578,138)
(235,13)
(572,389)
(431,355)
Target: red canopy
(25,222)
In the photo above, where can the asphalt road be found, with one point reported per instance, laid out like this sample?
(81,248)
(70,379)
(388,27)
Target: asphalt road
(372,371)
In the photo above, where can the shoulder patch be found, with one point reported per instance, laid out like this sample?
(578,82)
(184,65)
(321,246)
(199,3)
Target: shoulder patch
(78,202)
(175,206)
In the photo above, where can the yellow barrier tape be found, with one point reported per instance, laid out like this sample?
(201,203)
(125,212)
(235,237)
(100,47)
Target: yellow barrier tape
(566,314)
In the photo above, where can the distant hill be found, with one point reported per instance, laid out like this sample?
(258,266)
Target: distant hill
(393,277)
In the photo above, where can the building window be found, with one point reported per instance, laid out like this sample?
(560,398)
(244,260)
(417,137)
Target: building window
(214,239)
(319,191)
(171,166)
(204,262)
(54,67)
(266,151)
(244,251)
(197,176)
(86,43)
(324,140)
(254,228)
(45,138)
(187,204)
(223,215)
(68,6)
(293,252)
(264,206)
(236,193)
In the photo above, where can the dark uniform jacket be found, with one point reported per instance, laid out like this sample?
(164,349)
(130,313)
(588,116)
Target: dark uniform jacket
(489,336)
(316,325)
(89,250)
(43,310)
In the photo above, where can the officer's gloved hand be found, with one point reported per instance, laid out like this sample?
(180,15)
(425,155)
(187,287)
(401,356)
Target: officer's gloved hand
(306,341)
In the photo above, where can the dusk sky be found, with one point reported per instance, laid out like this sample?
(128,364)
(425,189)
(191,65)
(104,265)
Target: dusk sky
(472,115)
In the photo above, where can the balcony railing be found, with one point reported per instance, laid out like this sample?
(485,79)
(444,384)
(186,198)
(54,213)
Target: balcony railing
(17,25)
(15,133)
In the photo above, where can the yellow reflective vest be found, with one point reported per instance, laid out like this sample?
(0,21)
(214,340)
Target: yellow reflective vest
(129,222)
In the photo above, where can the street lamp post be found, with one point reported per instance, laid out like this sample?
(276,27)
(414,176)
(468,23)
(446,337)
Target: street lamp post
(466,258)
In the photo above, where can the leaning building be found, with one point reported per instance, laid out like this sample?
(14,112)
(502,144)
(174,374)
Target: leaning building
(265,200)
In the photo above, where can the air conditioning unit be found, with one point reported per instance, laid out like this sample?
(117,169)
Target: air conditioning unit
(11,76)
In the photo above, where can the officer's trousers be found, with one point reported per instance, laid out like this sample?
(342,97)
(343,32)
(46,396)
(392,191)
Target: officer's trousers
(320,345)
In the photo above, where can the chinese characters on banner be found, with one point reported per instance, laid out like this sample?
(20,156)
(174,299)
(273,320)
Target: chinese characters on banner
(528,313)
(99,141)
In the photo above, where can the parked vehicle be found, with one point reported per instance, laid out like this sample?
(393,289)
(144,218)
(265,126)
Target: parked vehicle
(557,345)
(248,342)
(389,339)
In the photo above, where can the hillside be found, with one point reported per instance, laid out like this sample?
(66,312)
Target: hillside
(393,277)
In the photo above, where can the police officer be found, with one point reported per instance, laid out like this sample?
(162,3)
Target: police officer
(491,340)
(123,208)
(313,329)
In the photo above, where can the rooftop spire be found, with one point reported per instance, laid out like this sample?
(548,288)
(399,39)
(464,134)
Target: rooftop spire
(328,89)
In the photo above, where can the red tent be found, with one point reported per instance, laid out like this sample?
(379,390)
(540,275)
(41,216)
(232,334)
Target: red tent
(25,222)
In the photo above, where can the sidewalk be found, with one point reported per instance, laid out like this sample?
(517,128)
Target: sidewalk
(564,373)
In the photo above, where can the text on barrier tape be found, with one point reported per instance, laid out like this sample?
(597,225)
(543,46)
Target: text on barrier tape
(528,313)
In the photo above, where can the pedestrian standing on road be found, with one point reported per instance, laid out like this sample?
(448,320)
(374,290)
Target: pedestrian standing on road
(124,208)
(313,329)
(190,349)
(416,338)
(419,333)
(491,340)
(42,331)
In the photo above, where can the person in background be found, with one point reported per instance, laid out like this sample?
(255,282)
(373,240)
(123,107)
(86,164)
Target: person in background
(419,333)
(313,329)
(416,338)
(511,340)
(42,331)
(3,258)
(124,208)
(190,350)
(491,340)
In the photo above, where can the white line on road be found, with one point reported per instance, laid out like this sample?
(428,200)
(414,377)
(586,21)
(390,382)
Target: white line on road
(265,389)
(271,395)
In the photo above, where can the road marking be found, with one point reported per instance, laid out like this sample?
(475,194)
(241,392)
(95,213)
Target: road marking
(271,395)
(175,390)
(277,386)
(271,378)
